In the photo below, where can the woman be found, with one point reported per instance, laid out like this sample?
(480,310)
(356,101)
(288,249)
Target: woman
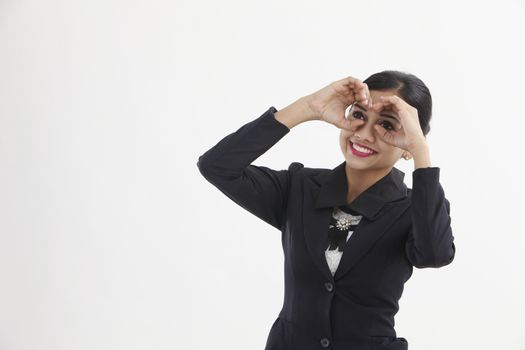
(351,235)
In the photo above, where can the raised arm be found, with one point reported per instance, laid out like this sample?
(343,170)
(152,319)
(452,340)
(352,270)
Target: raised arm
(259,189)
(430,242)
(430,239)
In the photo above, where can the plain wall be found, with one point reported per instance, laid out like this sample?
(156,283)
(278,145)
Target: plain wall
(111,239)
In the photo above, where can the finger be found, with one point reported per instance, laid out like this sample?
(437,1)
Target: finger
(361,94)
(384,103)
(361,98)
(385,135)
(345,124)
(398,126)
(380,132)
(378,106)
(387,106)
(394,101)
(350,82)
(348,86)
(359,89)
(367,100)
(344,91)
(369,97)
(383,106)
(349,123)
(355,123)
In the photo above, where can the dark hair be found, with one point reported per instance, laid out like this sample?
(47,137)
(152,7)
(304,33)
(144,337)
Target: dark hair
(410,88)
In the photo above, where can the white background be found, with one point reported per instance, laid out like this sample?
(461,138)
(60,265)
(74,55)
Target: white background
(111,239)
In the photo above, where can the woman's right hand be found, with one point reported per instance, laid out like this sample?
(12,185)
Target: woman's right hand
(330,103)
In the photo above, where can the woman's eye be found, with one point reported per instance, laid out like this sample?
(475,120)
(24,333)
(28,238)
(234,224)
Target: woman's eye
(356,114)
(388,126)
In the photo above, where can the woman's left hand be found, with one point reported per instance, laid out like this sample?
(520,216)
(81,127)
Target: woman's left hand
(407,133)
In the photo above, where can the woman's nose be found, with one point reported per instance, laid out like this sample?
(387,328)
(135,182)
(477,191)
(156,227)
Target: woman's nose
(365,133)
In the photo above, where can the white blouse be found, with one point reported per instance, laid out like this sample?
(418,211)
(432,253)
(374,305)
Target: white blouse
(342,225)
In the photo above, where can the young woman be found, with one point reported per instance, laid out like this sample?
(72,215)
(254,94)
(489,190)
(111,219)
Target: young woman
(351,235)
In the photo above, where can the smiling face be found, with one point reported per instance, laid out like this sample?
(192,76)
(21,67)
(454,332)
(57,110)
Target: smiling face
(384,155)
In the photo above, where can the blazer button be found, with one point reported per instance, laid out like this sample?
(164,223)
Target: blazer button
(325,342)
(329,286)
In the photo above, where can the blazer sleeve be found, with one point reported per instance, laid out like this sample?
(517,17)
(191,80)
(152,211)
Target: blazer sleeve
(258,189)
(430,240)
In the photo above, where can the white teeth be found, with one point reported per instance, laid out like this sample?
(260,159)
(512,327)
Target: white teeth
(361,149)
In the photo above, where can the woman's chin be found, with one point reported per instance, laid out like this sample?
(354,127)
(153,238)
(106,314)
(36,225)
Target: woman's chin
(357,164)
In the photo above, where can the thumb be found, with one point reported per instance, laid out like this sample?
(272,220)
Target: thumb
(378,129)
(355,123)
(384,135)
(346,125)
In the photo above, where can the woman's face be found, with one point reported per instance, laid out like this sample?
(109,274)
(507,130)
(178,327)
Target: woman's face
(385,155)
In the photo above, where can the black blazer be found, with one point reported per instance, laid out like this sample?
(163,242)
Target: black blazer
(401,228)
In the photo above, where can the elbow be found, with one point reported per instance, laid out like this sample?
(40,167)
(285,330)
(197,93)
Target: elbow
(206,170)
(444,259)
(215,173)
(447,257)
(436,260)
(204,166)
(201,165)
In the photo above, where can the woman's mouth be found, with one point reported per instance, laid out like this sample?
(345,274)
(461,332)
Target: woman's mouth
(360,151)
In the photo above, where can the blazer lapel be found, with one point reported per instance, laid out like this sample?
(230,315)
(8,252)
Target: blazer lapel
(328,189)
(316,223)
(365,235)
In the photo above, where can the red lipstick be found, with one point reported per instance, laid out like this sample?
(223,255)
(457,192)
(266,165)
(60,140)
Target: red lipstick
(358,153)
